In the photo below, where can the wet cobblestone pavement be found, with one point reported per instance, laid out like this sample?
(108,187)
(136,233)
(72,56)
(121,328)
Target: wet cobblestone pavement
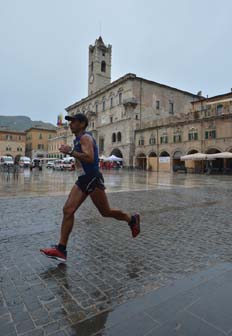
(186,228)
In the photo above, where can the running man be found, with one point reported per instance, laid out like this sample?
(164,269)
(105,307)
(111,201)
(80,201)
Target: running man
(91,183)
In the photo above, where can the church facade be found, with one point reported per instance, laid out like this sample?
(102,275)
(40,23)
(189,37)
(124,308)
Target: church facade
(148,124)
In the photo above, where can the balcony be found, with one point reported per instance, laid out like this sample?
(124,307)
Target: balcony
(132,101)
(90,113)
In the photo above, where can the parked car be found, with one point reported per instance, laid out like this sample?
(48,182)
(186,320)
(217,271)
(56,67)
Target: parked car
(24,162)
(6,161)
(36,163)
(179,168)
(50,164)
(58,165)
(69,163)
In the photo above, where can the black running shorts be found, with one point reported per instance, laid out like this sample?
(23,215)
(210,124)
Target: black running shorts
(87,183)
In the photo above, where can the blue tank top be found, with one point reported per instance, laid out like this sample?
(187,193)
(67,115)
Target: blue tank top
(88,168)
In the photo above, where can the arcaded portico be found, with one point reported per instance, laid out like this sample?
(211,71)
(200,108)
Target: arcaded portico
(148,124)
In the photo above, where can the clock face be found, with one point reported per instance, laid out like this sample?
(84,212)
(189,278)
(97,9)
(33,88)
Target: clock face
(91,78)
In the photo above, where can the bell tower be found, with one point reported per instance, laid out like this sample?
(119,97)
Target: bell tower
(99,66)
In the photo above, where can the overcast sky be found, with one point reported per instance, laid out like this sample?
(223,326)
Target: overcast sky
(44,48)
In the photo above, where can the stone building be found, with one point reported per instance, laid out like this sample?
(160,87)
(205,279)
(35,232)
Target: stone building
(63,136)
(119,110)
(37,141)
(12,143)
(206,128)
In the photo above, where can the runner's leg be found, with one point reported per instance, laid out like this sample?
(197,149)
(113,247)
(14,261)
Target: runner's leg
(100,200)
(75,199)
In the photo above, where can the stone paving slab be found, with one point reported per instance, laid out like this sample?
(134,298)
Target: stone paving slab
(184,231)
(198,305)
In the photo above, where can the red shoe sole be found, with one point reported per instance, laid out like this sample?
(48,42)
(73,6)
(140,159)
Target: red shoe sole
(52,257)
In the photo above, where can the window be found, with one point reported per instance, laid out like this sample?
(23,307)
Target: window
(207,112)
(136,117)
(111,120)
(96,108)
(9,137)
(171,107)
(152,140)
(219,109)
(164,139)
(157,104)
(20,138)
(210,134)
(101,144)
(111,102)
(91,66)
(193,135)
(119,136)
(141,141)
(103,105)
(120,98)
(40,136)
(113,137)
(40,146)
(103,66)
(176,138)
(89,108)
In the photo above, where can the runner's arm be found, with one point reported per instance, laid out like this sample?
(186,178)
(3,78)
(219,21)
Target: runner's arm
(87,154)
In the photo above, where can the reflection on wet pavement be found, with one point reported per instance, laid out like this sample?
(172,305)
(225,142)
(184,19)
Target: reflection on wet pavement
(49,182)
(186,227)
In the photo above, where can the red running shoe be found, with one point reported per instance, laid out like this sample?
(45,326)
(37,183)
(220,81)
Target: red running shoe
(135,225)
(54,253)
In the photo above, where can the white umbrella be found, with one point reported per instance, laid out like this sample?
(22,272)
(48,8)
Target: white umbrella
(223,155)
(195,156)
(113,158)
(102,157)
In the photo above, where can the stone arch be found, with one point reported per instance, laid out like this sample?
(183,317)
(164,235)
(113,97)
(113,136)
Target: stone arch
(164,154)
(164,161)
(193,151)
(218,165)
(117,152)
(177,154)
(141,161)
(177,164)
(152,154)
(152,161)
(212,150)
(193,166)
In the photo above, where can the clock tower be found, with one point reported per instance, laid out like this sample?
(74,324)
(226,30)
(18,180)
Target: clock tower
(99,66)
